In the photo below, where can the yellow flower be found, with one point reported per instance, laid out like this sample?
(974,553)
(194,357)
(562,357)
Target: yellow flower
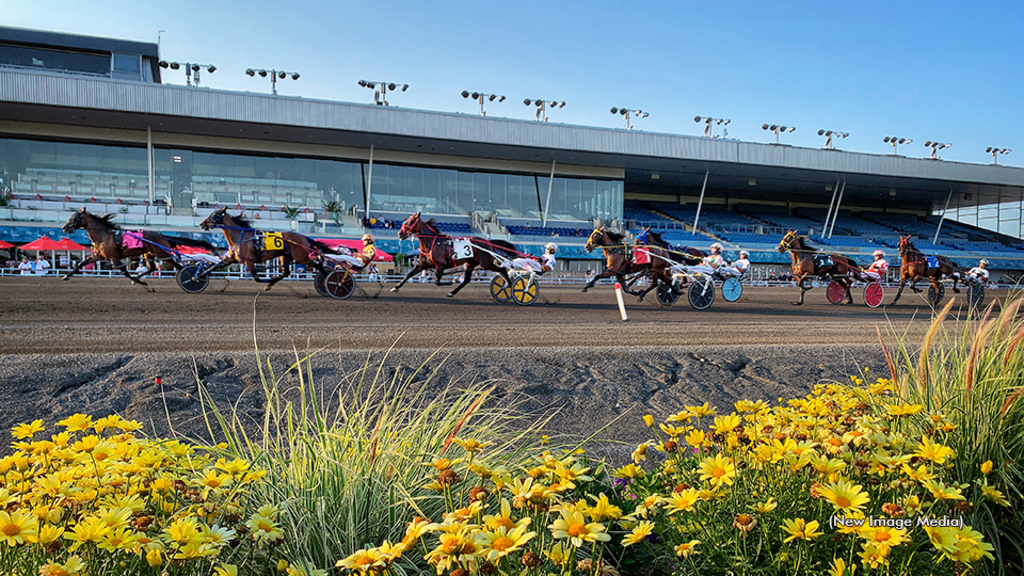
(573,525)
(724,424)
(503,519)
(883,535)
(838,568)
(695,438)
(701,411)
(17,527)
(648,420)
(766,507)
(800,529)
(935,452)
(74,565)
(897,410)
(557,554)
(874,555)
(226,570)
(194,550)
(639,533)
(941,491)
(76,423)
(628,471)
(184,530)
(640,454)
(992,494)
(472,446)
(687,548)
(844,495)
(986,467)
(91,529)
(919,475)
(719,470)
(500,543)
(155,558)
(683,501)
(603,510)
(23,431)
(48,534)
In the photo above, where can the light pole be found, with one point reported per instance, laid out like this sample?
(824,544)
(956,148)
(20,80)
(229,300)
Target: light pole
(542,107)
(894,140)
(274,75)
(625,112)
(380,97)
(936,146)
(708,121)
(777,129)
(995,153)
(828,134)
(479,97)
(189,69)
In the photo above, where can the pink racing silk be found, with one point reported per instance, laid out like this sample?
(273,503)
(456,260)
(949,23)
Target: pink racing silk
(131,239)
(641,256)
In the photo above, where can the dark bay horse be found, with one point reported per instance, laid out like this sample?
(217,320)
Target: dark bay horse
(243,249)
(915,265)
(808,263)
(617,262)
(108,244)
(437,252)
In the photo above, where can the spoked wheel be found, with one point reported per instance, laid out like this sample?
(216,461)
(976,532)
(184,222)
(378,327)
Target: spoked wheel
(666,295)
(340,284)
(319,283)
(935,297)
(873,294)
(500,290)
(701,294)
(732,289)
(191,281)
(976,295)
(835,292)
(524,291)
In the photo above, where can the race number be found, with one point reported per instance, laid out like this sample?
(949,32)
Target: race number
(462,249)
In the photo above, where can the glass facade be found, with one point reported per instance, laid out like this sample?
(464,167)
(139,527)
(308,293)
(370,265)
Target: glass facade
(183,176)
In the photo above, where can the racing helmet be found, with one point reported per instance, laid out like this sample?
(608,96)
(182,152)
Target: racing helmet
(879,253)
(716,248)
(983,263)
(744,254)
(551,247)
(368,238)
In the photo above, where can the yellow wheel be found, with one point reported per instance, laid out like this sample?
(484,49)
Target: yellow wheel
(500,290)
(524,291)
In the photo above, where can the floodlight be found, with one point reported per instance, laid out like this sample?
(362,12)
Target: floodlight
(164,64)
(263,73)
(211,69)
(465,94)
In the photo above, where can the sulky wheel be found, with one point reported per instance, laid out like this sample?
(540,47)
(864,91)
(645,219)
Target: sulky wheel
(835,292)
(976,294)
(873,294)
(935,297)
(500,290)
(732,289)
(666,295)
(701,294)
(190,280)
(340,284)
(319,283)
(524,291)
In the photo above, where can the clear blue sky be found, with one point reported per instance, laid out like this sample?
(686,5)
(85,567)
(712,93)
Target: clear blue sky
(940,70)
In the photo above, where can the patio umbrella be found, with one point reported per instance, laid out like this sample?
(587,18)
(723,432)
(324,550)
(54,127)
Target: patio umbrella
(44,244)
(67,244)
(5,245)
(356,245)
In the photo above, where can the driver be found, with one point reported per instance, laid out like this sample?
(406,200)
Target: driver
(743,264)
(715,260)
(360,259)
(980,271)
(879,267)
(545,264)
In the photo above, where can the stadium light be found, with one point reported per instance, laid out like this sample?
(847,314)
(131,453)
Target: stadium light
(274,76)
(542,107)
(828,134)
(995,152)
(190,68)
(708,121)
(936,146)
(896,140)
(777,129)
(625,112)
(380,97)
(480,96)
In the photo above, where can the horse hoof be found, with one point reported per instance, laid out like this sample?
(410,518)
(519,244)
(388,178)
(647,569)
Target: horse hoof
(797,303)
(451,295)
(956,290)
(395,289)
(66,278)
(584,290)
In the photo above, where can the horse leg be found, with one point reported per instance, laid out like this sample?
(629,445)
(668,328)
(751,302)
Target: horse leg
(81,264)
(800,284)
(251,267)
(654,284)
(913,285)
(124,270)
(465,280)
(956,277)
(849,295)
(419,268)
(285,272)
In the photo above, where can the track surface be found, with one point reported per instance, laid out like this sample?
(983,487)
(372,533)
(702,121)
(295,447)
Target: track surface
(45,315)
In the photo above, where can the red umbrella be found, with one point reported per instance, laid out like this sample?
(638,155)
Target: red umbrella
(43,243)
(5,245)
(356,245)
(69,244)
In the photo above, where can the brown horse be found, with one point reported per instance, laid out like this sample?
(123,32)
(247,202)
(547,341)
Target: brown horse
(914,265)
(808,263)
(618,263)
(437,251)
(242,247)
(108,244)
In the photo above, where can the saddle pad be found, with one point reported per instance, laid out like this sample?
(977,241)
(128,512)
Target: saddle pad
(462,249)
(273,241)
(641,256)
(823,260)
(932,261)
(132,239)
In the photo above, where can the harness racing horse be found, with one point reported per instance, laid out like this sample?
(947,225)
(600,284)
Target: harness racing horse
(242,248)
(109,243)
(617,262)
(914,265)
(808,263)
(437,252)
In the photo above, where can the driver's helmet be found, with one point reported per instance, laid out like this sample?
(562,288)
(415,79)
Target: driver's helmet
(744,254)
(551,247)
(367,238)
(716,248)
(983,263)
(879,254)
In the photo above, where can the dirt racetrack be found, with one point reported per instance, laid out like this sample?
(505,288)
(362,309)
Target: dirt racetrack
(98,345)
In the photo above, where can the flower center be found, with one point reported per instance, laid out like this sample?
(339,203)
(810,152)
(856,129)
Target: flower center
(505,523)
(502,543)
(843,502)
(577,530)
(883,536)
(11,530)
(718,472)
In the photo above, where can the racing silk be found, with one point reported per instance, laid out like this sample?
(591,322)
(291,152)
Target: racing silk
(131,240)
(880,267)
(369,253)
(548,262)
(641,256)
(742,265)
(528,264)
(714,260)
(979,273)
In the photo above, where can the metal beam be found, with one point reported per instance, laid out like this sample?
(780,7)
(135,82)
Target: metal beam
(369,185)
(839,203)
(828,215)
(547,203)
(700,202)
(149,165)
(943,218)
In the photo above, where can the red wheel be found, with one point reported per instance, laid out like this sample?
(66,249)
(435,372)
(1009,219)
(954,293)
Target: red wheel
(835,292)
(873,294)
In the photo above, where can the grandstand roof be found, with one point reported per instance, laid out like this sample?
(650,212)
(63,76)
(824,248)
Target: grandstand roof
(680,162)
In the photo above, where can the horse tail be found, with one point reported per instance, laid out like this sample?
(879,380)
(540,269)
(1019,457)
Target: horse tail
(323,247)
(505,248)
(182,241)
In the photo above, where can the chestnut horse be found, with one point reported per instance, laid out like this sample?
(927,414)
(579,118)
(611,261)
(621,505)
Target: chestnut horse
(617,262)
(914,265)
(242,248)
(808,262)
(107,244)
(436,252)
